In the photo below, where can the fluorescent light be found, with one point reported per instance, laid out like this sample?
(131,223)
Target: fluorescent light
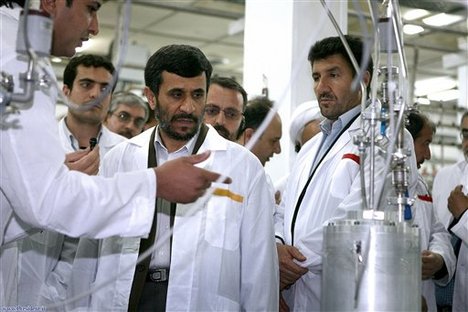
(444,96)
(423,101)
(411,29)
(55,59)
(432,85)
(411,15)
(442,19)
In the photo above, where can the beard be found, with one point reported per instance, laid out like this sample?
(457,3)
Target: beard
(126,134)
(223,131)
(165,124)
(89,117)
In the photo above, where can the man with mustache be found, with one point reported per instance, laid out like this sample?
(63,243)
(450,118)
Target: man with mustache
(219,258)
(324,184)
(437,257)
(37,190)
(225,104)
(127,114)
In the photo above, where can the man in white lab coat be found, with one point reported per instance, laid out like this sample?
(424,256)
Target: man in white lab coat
(219,258)
(37,190)
(324,185)
(458,205)
(446,180)
(438,258)
(85,77)
(450,203)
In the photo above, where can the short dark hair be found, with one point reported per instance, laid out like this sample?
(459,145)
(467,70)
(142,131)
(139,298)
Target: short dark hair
(416,122)
(231,84)
(182,60)
(333,45)
(465,115)
(256,111)
(87,60)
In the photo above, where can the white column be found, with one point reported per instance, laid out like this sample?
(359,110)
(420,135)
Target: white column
(277,38)
(463,84)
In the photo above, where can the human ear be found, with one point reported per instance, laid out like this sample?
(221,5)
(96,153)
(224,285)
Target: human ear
(151,97)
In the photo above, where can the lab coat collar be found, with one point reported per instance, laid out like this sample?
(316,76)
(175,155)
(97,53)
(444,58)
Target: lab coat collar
(213,141)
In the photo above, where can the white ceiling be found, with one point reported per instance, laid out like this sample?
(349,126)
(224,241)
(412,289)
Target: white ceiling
(207,23)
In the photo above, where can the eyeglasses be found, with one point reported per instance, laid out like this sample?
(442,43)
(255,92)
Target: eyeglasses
(464,134)
(229,113)
(125,117)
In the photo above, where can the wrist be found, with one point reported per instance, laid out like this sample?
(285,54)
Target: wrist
(460,213)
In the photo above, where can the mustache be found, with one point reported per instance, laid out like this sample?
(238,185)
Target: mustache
(222,131)
(326,96)
(126,134)
(185,116)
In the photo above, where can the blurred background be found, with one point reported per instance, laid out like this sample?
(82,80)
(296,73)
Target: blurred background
(435,38)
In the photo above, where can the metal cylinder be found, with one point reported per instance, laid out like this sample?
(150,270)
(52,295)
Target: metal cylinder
(371,265)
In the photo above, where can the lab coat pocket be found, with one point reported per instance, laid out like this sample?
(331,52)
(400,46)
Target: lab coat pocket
(223,211)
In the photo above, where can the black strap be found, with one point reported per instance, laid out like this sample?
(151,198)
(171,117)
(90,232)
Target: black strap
(304,190)
(142,268)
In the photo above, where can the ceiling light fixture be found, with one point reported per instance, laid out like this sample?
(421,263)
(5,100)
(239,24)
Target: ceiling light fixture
(411,29)
(442,19)
(433,85)
(423,101)
(412,15)
(444,96)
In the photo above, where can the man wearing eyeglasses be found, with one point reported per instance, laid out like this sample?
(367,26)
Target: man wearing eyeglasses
(451,203)
(127,114)
(225,104)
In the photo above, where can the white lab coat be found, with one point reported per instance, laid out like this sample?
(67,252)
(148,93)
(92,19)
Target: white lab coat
(37,189)
(223,256)
(444,182)
(460,292)
(46,256)
(107,139)
(334,190)
(434,237)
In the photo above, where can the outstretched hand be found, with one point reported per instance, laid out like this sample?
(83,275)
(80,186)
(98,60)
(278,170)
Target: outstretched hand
(180,181)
